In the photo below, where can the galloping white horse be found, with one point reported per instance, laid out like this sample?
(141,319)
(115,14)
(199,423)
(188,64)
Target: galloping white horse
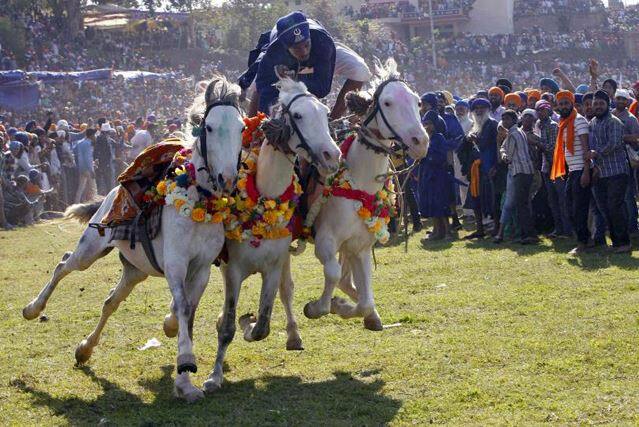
(308,137)
(390,110)
(184,249)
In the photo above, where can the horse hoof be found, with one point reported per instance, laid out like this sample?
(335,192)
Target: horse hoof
(373,324)
(31,311)
(211,386)
(294,344)
(335,303)
(246,320)
(309,312)
(170,326)
(186,363)
(83,353)
(190,396)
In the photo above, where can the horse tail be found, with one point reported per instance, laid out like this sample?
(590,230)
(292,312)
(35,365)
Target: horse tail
(83,212)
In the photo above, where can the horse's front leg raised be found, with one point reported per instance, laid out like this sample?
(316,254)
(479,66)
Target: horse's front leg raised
(361,266)
(256,329)
(233,279)
(326,252)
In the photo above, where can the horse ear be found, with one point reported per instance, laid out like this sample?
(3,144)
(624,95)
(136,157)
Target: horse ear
(201,86)
(358,102)
(277,133)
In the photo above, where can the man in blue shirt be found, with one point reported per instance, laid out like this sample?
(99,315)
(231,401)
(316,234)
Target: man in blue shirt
(84,163)
(608,151)
(304,50)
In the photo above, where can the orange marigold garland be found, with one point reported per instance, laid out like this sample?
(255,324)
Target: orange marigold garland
(253,216)
(179,190)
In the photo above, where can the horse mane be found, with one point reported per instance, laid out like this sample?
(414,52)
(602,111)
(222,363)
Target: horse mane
(218,89)
(383,71)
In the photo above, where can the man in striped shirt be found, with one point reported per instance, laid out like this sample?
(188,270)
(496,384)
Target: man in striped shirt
(609,154)
(515,153)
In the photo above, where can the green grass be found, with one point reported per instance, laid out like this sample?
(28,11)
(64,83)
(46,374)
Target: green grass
(488,335)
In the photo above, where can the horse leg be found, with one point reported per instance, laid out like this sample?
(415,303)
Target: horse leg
(287,290)
(170,324)
(196,284)
(365,307)
(90,248)
(346,282)
(131,276)
(176,272)
(325,251)
(233,279)
(258,329)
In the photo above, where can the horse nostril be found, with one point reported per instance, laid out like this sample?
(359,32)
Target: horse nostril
(327,155)
(415,140)
(220,179)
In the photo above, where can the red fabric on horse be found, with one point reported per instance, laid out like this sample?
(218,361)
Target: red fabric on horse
(145,171)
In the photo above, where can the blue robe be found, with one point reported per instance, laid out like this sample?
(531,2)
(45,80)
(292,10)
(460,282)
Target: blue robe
(435,179)
(487,144)
(316,73)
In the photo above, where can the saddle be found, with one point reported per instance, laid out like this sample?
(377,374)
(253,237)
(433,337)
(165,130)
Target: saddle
(133,216)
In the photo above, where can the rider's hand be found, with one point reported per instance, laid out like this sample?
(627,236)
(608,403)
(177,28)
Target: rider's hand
(284,71)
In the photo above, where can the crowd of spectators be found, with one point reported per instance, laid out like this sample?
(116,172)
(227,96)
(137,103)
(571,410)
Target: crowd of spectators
(83,134)
(547,7)
(49,164)
(77,101)
(404,9)
(552,158)
(623,19)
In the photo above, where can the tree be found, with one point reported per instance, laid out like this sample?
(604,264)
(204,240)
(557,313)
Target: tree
(243,21)
(12,36)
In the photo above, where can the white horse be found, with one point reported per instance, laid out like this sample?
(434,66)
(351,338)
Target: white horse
(304,120)
(390,110)
(184,249)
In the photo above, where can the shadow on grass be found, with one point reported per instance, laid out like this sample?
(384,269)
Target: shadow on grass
(523,250)
(601,259)
(270,399)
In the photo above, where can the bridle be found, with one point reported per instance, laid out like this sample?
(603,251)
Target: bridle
(286,110)
(377,108)
(202,134)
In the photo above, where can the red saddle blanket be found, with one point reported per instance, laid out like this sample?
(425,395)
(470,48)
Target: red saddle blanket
(145,171)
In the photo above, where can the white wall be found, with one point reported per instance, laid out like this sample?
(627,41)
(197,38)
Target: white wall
(491,17)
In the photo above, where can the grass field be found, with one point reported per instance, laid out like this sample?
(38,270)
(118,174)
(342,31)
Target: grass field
(487,335)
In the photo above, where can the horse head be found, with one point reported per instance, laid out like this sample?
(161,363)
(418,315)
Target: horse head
(391,108)
(300,126)
(216,151)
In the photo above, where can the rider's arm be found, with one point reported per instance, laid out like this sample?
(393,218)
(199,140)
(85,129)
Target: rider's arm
(353,68)
(340,104)
(255,101)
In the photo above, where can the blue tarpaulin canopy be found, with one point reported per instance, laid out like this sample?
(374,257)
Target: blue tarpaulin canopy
(19,90)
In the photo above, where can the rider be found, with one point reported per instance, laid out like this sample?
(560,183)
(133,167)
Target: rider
(301,48)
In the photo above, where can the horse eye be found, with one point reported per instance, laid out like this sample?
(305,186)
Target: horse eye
(209,128)
(419,104)
(297,116)
(387,104)
(243,129)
